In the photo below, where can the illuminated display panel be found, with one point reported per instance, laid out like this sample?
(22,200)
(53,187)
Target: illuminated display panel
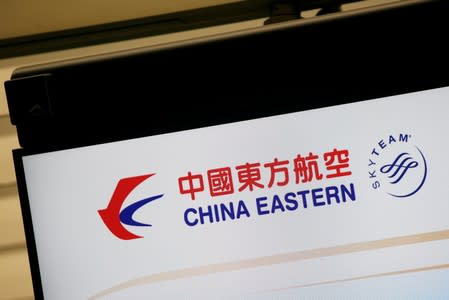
(282,186)
(345,200)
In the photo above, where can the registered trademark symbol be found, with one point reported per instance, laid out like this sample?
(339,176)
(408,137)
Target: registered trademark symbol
(409,136)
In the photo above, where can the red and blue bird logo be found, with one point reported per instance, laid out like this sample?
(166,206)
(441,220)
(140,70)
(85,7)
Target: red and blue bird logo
(114,216)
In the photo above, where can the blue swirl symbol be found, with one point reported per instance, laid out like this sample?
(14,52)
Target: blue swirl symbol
(399,167)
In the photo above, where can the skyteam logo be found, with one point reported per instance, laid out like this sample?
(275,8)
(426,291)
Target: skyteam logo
(114,216)
(397,166)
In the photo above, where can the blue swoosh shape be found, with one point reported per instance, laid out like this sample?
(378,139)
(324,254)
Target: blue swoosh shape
(422,181)
(387,168)
(126,215)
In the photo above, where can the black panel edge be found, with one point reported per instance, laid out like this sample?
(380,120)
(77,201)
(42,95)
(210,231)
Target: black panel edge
(38,134)
(27,223)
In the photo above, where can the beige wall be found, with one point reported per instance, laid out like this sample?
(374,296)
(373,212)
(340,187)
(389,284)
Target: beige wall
(23,17)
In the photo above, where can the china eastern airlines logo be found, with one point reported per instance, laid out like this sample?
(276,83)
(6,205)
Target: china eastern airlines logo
(114,216)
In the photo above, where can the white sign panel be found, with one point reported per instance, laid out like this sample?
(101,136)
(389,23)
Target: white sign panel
(256,209)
